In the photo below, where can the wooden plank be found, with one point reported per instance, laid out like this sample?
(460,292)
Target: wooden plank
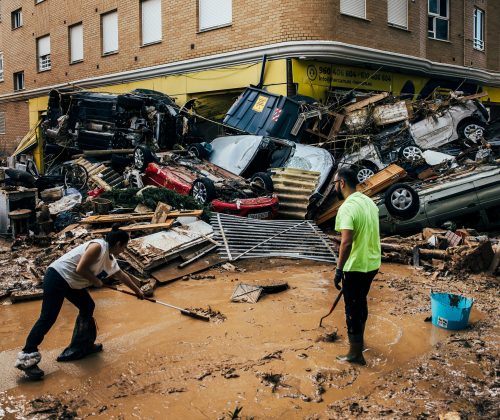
(132,217)
(339,119)
(373,185)
(138,228)
(172,271)
(366,102)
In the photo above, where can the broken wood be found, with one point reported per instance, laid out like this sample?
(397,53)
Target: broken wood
(161,213)
(173,272)
(132,217)
(137,228)
(408,250)
(366,102)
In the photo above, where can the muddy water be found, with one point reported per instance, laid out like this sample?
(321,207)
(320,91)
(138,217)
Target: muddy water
(157,362)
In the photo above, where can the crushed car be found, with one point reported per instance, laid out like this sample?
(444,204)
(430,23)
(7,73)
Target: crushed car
(205,182)
(83,120)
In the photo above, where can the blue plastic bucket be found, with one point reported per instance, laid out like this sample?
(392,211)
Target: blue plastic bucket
(450,311)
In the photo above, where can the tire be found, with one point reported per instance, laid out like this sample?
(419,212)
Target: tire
(75,176)
(263,180)
(471,129)
(363,172)
(402,201)
(142,157)
(203,190)
(410,153)
(198,151)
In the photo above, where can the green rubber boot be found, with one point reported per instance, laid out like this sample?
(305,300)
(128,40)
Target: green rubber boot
(355,354)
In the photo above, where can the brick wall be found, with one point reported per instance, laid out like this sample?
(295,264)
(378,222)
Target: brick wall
(16,125)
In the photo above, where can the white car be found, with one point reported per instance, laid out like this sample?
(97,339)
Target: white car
(252,156)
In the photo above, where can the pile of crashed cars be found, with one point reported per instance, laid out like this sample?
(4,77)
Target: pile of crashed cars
(445,147)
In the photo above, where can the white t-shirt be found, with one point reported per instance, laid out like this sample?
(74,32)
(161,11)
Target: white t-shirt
(105,266)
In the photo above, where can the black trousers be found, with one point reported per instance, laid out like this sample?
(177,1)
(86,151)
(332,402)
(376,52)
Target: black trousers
(356,286)
(55,289)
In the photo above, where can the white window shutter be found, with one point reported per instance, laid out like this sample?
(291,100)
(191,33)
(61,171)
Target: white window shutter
(214,13)
(397,12)
(151,21)
(44,46)
(353,7)
(110,32)
(76,42)
(2,122)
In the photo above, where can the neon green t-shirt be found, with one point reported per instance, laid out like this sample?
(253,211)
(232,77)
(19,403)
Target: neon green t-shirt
(360,214)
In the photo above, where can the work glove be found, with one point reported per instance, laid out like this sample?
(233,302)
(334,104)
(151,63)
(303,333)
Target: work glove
(339,276)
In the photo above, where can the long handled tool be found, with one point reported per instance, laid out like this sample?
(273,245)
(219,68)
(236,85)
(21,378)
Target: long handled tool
(183,311)
(332,308)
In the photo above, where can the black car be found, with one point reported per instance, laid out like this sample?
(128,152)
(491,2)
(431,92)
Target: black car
(84,120)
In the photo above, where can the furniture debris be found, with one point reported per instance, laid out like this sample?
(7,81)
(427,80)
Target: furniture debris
(246,293)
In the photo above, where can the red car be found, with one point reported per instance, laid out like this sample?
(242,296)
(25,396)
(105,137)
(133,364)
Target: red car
(207,183)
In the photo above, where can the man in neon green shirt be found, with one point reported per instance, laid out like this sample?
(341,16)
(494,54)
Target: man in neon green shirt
(359,257)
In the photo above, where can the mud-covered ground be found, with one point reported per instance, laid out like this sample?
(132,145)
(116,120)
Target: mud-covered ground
(264,360)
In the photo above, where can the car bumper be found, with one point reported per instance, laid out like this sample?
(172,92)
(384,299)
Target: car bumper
(259,208)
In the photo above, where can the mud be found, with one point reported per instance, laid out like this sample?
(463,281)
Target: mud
(265,360)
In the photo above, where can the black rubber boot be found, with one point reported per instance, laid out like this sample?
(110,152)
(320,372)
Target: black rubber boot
(355,354)
(83,341)
(34,373)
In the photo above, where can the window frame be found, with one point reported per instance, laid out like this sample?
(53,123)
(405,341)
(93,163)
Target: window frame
(69,44)
(141,22)
(436,16)
(479,44)
(395,25)
(44,63)
(13,14)
(17,89)
(103,53)
(351,15)
(2,72)
(38,2)
(211,28)
(3,127)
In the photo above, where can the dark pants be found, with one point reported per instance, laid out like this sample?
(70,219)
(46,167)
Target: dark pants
(356,286)
(55,289)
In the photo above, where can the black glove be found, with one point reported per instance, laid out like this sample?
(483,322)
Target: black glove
(339,276)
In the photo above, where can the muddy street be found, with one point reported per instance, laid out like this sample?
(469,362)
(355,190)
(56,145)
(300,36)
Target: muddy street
(270,358)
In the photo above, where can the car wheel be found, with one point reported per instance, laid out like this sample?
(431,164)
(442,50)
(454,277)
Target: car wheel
(75,176)
(364,172)
(263,180)
(402,201)
(472,130)
(203,190)
(142,157)
(411,153)
(197,150)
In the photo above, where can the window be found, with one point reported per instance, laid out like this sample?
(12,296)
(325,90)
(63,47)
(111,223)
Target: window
(43,52)
(215,13)
(478,29)
(1,66)
(150,21)
(76,43)
(2,122)
(355,8)
(19,80)
(109,27)
(438,15)
(17,18)
(397,13)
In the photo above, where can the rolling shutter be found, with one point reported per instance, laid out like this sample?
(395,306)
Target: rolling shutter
(353,7)
(44,46)
(214,13)
(397,12)
(76,42)
(151,21)
(110,32)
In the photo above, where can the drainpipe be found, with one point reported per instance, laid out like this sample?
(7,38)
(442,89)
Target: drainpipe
(262,71)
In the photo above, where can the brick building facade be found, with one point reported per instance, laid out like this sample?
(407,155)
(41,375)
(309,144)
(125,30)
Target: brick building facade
(392,35)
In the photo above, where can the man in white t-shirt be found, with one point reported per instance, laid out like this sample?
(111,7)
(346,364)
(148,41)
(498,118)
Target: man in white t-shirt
(69,277)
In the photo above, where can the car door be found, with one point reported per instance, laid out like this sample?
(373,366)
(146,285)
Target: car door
(433,132)
(488,192)
(455,201)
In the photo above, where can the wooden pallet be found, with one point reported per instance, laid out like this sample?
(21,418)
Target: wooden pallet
(373,185)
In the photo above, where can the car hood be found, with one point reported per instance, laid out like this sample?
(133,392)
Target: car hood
(234,153)
(312,158)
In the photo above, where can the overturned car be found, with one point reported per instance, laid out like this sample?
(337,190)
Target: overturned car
(82,120)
